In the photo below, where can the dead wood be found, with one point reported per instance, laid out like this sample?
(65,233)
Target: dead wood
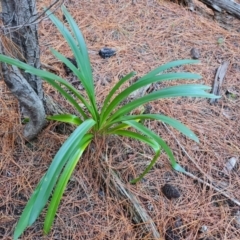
(220,6)
(220,75)
(27,88)
(229,6)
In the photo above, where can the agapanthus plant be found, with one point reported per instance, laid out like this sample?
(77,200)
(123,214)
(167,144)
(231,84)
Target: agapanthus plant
(112,118)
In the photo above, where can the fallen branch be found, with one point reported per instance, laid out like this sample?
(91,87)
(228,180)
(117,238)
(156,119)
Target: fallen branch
(220,6)
(140,213)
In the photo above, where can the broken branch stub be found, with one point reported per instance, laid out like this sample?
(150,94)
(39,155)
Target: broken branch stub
(218,81)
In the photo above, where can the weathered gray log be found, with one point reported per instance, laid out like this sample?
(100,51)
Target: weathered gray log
(27,88)
(229,6)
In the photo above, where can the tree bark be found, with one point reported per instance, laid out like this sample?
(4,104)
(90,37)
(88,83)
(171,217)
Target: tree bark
(184,2)
(27,88)
(229,6)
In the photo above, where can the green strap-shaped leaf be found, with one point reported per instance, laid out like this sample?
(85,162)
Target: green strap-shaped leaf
(72,44)
(66,118)
(80,53)
(51,79)
(148,141)
(139,137)
(23,221)
(153,73)
(112,130)
(77,73)
(139,84)
(167,66)
(187,90)
(115,88)
(84,60)
(160,141)
(67,96)
(59,161)
(172,122)
(62,183)
(148,168)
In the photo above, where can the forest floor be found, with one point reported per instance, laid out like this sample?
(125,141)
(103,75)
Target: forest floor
(145,34)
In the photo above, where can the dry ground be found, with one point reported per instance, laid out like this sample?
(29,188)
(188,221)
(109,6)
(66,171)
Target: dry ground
(145,35)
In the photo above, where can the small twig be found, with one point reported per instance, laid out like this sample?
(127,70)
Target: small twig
(34,21)
(218,81)
(212,185)
(139,209)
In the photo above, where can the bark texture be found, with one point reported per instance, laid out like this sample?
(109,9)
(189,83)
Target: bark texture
(184,2)
(229,6)
(26,87)
(28,99)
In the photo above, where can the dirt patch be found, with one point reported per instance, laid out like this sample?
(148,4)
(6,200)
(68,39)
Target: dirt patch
(145,35)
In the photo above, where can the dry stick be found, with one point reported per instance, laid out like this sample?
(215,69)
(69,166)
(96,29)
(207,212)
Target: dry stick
(198,179)
(139,209)
(218,81)
(34,21)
